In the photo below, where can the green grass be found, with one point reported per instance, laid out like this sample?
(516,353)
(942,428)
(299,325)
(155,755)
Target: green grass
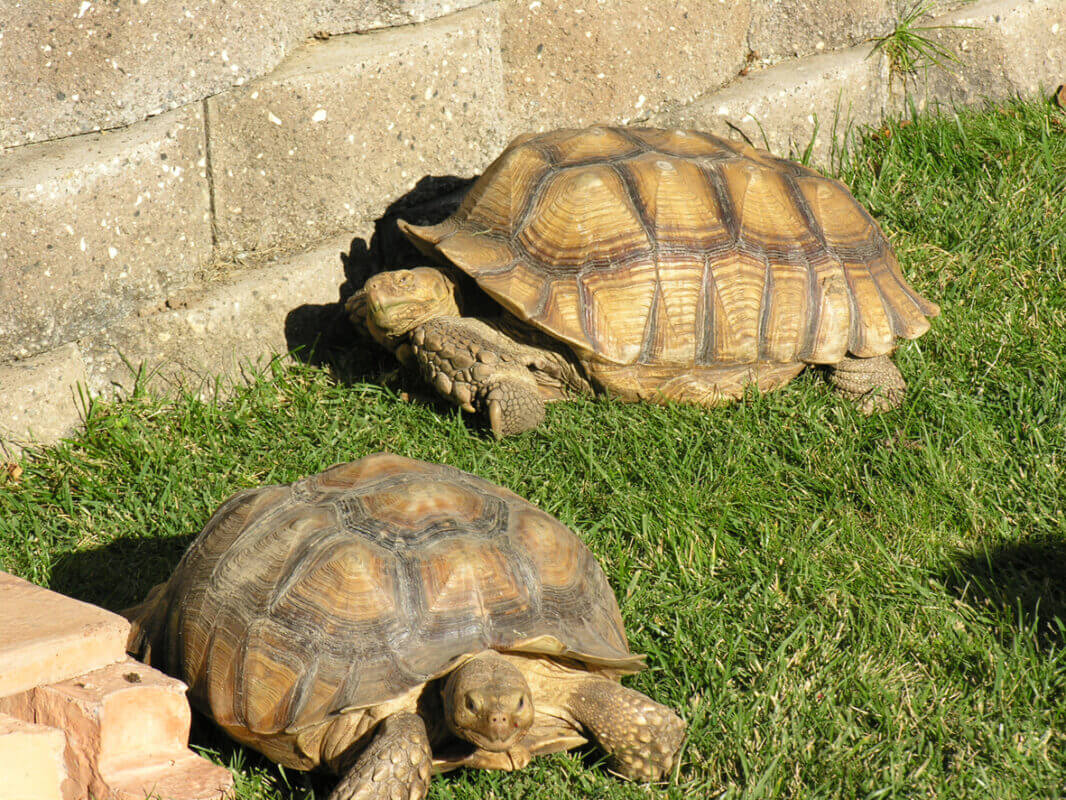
(840,606)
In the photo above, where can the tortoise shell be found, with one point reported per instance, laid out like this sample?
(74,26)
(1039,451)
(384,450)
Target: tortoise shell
(353,586)
(644,246)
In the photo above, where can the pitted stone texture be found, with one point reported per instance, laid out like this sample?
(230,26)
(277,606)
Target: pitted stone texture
(221,329)
(92,226)
(38,397)
(1004,48)
(31,760)
(571,64)
(46,637)
(785,107)
(782,29)
(344,127)
(127,731)
(68,66)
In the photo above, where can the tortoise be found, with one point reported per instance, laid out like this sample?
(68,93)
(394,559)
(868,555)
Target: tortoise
(652,265)
(389,617)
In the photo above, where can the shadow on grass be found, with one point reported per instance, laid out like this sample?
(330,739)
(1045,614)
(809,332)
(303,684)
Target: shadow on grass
(120,573)
(321,334)
(1022,584)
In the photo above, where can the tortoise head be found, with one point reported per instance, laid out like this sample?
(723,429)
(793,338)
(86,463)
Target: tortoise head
(403,299)
(487,701)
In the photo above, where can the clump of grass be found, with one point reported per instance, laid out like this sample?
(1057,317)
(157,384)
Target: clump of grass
(909,48)
(840,606)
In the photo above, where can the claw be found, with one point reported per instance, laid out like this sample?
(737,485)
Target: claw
(496,418)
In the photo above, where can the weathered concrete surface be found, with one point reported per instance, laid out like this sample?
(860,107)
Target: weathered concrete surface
(345,126)
(92,226)
(31,760)
(47,637)
(68,66)
(38,397)
(217,330)
(1009,48)
(573,64)
(1013,48)
(782,29)
(787,107)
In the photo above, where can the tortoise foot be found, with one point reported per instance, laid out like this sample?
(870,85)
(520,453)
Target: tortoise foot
(874,383)
(514,405)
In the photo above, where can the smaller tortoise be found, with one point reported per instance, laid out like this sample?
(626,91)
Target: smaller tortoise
(653,265)
(388,617)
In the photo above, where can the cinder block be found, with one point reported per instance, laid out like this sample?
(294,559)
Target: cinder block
(787,107)
(127,728)
(221,328)
(31,761)
(68,66)
(47,637)
(39,401)
(345,126)
(577,63)
(92,226)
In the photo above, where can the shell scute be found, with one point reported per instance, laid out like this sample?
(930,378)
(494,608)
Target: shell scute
(590,144)
(582,216)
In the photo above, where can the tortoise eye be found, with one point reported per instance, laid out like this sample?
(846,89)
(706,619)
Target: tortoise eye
(521,703)
(470,704)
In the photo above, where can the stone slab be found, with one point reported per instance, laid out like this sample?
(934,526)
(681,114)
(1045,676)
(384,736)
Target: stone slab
(47,637)
(345,126)
(92,226)
(31,760)
(39,400)
(221,329)
(127,728)
(583,62)
(794,105)
(69,67)
(1003,47)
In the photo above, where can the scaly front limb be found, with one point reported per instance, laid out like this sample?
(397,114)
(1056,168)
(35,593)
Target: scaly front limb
(396,764)
(480,365)
(642,737)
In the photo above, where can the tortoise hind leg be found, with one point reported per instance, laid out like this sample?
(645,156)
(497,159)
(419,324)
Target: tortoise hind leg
(642,737)
(396,764)
(874,383)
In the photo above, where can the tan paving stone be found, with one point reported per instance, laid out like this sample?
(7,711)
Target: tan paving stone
(47,637)
(31,760)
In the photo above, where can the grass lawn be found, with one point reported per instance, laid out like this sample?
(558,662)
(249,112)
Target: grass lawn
(839,606)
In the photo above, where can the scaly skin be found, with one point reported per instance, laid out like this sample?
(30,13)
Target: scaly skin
(396,765)
(642,737)
(874,383)
(483,365)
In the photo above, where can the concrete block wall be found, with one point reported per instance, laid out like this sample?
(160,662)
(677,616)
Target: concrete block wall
(178,177)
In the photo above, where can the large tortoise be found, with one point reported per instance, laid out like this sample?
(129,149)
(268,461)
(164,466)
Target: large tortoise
(388,617)
(651,264)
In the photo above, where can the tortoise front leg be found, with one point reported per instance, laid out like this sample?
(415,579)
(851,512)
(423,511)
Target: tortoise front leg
(396,763)
(480,367)
(642,737)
